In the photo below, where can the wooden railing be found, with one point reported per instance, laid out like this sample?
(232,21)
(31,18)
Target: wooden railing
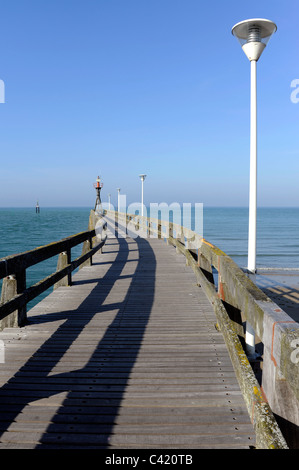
(15,294)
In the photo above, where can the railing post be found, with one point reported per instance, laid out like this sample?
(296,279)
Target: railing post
(64,259)
(159,227)
(181,238)
(205,266)
(9,291)
(11,286)
(90,247)
(69,260)
(170,233)
(21,287)
(250,341)
(87,245)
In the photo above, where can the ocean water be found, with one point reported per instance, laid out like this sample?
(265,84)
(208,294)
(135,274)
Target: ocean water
(22,230)
(277,234)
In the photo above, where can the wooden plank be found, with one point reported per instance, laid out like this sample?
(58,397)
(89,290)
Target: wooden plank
(136,441)
(46,416)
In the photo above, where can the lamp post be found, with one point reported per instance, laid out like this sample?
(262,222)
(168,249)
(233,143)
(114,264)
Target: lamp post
(253,36)
(142,177)
(109,201)
(118,191)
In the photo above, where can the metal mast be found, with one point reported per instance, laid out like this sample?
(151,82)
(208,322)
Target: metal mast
(98,204)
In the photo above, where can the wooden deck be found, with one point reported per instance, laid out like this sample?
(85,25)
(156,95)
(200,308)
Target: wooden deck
(128,357)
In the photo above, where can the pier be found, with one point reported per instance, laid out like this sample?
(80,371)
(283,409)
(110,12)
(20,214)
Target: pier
(143,346)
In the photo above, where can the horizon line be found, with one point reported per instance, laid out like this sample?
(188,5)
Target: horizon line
(147,206)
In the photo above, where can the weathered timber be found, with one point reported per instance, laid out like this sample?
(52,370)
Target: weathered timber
(16,263)
(15,295)
(8,292)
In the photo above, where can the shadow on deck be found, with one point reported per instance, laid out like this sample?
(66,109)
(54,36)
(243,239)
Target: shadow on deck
(89,410)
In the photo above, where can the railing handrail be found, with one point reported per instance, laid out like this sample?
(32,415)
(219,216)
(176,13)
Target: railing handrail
(13,263)
(251,300)
(16,265)
(254,304)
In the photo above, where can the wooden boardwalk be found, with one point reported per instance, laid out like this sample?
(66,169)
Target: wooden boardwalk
(128,357)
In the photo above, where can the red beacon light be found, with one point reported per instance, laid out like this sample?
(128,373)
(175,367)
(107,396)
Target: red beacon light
(98,184)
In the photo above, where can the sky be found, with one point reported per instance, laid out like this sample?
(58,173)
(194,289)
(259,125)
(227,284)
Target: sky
(117,88)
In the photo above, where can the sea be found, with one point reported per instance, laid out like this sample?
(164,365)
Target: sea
(22,229)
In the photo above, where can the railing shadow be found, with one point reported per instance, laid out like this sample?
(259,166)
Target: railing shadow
(87,414)
(283,289)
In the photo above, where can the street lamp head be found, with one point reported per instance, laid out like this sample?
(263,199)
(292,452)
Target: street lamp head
(142,177)
(254,35)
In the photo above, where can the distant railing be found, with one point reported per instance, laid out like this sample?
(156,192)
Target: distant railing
(237,300)
(15,295)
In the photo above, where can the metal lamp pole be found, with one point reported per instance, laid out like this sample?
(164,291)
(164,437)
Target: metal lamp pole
(253,36)
(142,177)
(251,266)
(118,191)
